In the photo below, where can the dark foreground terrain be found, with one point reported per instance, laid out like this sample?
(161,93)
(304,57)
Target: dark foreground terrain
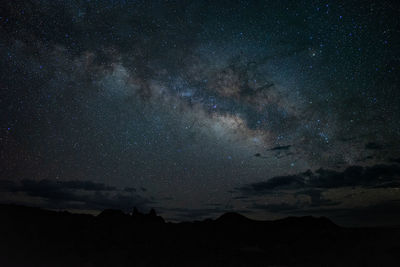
(36,237)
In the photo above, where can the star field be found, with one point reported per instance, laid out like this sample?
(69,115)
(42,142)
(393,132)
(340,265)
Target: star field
(191,106)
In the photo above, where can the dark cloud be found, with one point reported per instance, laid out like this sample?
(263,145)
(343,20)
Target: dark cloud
(258,155)
(280,148)
(292,189)
(75,194)
(385,213)
(84,185)
(316,197)
(280,207)
(317,200)
(275,183)
(376,176)
(49,185)
(396,160)
(373,146)
(240,197)
(130,189)
(367,158)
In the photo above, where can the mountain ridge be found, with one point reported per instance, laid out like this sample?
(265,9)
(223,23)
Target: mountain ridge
(39,237)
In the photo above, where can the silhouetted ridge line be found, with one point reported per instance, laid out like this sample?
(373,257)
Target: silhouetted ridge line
(233,218)
(151,217)
(37,237)
(137,216)
(112,214)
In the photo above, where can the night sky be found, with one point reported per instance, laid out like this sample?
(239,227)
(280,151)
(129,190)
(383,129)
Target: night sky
(195,108)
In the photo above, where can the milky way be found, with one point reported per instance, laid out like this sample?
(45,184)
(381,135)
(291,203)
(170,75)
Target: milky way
(185,105)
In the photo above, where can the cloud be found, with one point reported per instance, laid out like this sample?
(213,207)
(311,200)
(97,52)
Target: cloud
(279,207)
(48,185)
(376,176)
(316,197)
(75,194)
(83,185)
(373,146)
(395,160)
(130,189)
(275,183)
(383,213)
(323,192)
(280,148)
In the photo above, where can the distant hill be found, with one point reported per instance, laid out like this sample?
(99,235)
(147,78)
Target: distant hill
(37,237)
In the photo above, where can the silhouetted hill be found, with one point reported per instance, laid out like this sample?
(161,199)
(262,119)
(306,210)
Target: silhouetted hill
(37,237)
(112,214)
(233,218)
